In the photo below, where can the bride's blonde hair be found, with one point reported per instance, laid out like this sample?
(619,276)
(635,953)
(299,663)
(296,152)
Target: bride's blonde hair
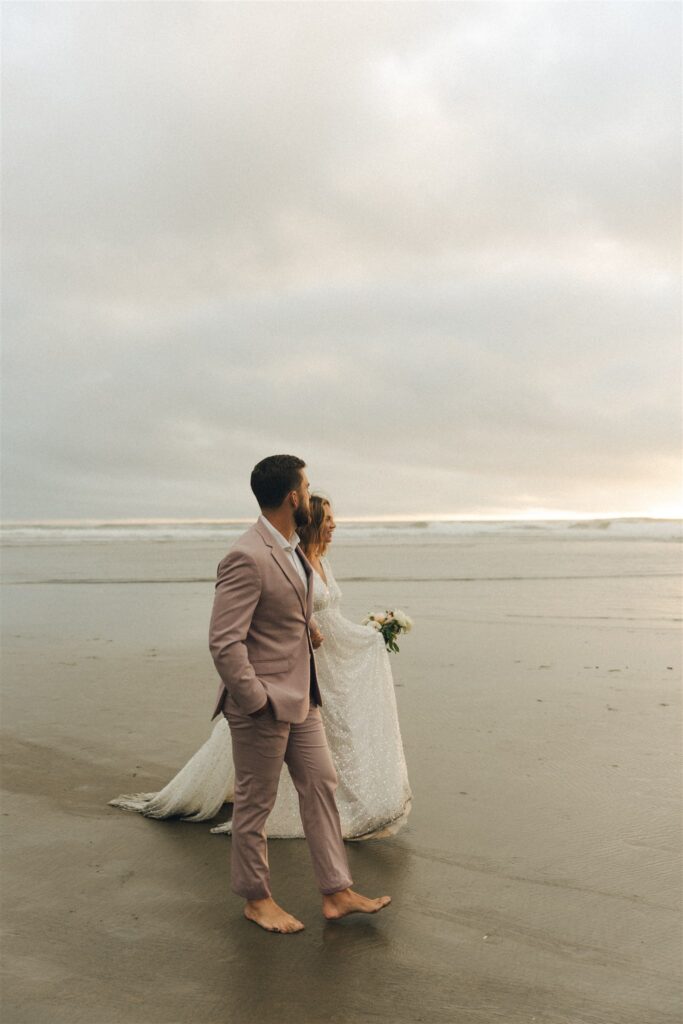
(311,534)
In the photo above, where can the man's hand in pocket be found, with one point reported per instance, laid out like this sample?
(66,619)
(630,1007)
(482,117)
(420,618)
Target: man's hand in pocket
(260,711)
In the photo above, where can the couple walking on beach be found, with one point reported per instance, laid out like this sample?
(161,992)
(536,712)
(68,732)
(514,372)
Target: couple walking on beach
(273,607)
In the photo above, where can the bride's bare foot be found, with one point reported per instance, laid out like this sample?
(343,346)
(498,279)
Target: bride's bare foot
(339,904)
(270,916)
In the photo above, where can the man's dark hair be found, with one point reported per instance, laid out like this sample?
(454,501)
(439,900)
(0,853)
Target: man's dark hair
(273,478)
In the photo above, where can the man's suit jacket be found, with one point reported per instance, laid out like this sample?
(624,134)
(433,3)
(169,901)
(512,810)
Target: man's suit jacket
(259,635)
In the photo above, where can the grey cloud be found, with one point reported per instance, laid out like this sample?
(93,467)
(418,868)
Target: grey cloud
(434,246)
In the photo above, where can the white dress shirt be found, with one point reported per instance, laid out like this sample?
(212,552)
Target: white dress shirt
(288,546)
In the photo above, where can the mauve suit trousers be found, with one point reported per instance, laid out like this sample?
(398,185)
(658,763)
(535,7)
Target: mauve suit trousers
(260,745)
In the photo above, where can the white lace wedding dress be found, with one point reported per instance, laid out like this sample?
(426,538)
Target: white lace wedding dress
(361,723)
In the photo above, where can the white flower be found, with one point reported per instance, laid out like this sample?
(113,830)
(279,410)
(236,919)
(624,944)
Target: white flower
(396,621)
(404,622)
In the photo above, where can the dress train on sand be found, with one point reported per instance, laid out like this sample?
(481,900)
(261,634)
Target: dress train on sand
(361,723)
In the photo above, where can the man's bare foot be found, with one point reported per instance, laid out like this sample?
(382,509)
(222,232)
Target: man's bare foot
(339,904)
(270,916)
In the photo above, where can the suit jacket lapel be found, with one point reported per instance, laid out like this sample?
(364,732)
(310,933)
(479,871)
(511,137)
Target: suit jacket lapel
(285,564)
(308,569)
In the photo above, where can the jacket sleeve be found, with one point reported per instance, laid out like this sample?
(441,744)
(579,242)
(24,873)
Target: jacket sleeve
(238,588)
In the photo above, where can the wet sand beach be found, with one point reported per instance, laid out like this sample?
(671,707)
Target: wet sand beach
(537,880)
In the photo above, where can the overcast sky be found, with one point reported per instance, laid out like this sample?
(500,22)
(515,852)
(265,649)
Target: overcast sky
(430,248)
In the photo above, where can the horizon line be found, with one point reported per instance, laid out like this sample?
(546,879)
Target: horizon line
(417,518)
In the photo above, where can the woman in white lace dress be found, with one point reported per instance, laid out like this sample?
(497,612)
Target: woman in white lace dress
(361,723)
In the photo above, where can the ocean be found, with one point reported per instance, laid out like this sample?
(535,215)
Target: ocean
(414,531)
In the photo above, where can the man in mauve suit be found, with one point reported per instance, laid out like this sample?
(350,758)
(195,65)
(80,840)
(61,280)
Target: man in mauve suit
(262,637)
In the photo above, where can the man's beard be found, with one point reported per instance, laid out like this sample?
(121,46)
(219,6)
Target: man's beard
(302,516)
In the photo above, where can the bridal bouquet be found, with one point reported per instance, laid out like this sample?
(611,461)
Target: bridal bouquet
(390,625)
